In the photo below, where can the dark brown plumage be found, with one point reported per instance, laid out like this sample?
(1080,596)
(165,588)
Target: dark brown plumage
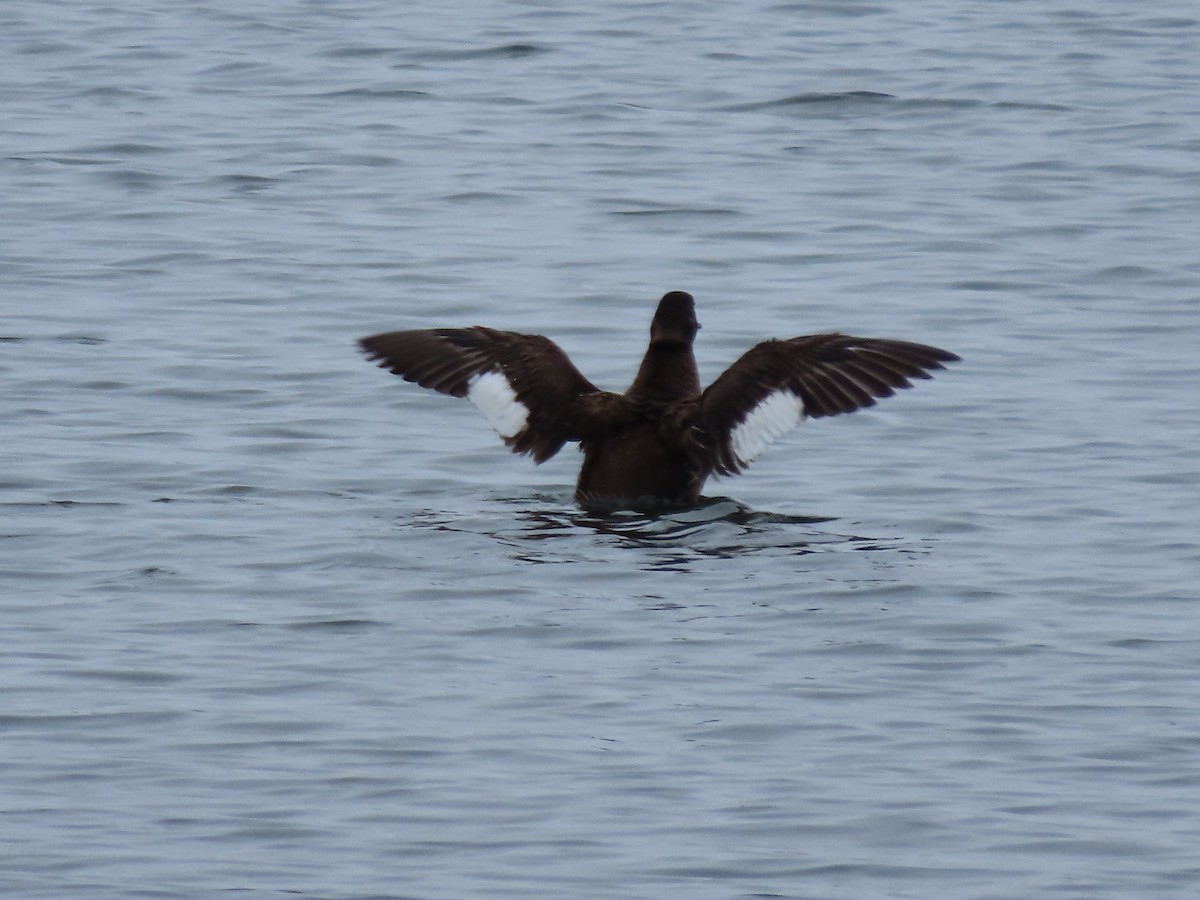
(663,437)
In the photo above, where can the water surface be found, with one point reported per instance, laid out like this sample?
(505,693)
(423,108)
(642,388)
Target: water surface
(280,624)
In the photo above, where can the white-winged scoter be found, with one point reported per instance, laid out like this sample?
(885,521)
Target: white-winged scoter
(662,438)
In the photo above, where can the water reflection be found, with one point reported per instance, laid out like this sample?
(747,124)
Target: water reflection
(542,529)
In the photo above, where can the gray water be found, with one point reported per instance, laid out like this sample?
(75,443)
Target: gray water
(277,623)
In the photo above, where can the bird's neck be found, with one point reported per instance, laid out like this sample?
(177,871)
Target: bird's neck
(668,374)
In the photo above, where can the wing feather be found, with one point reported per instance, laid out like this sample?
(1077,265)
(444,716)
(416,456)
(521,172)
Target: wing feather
(536,407)
(747,407)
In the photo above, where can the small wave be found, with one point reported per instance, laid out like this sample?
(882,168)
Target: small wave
(501,51)
(809,99)
(842,100)
(365,93)
(676,211)
(245,184)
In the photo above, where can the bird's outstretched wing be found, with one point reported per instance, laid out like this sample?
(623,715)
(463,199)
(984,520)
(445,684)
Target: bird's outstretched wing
(777,384)
(524,384)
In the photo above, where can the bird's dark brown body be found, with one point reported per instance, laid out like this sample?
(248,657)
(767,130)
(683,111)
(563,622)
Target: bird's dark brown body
(662,438)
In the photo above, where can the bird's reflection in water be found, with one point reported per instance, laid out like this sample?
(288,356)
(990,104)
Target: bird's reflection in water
(548,529)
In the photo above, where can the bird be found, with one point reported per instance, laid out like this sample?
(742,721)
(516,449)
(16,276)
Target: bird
(659,441)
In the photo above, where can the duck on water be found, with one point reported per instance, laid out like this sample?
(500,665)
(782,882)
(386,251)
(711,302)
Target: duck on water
(658,442)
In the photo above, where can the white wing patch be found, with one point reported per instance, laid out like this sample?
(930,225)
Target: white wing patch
(778,413)
(496,399)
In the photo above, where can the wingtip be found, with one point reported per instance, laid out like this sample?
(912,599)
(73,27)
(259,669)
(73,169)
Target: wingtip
(370,347)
